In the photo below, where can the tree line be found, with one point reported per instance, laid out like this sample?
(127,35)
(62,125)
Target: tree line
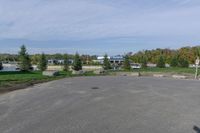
(86,59)
(176,58)
(25,61)
(42,61)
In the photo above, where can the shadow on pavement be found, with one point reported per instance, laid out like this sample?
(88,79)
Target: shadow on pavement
(196,129)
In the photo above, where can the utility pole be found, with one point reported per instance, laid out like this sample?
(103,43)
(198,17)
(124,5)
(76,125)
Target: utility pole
(197,66)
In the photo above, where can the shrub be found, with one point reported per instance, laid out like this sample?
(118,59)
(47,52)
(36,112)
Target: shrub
(183,63)
(174,62)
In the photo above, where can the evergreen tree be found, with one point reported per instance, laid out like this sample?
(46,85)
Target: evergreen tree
(66,63)
(24,59)
(183,62)
(174,61)
(106,63)
(77,65)
(161,62)
(42,62)
(127,65)
(1,65)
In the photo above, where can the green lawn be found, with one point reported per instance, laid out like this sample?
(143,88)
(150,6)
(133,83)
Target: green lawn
(161,70)
(168,70)
(9,79)
(18,80)
(13,79)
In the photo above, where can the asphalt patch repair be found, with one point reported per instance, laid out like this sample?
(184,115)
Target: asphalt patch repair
(95,88)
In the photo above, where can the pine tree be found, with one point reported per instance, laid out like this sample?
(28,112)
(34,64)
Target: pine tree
(106,63)
(161,62)
(77,65)
(127,65)
(24,59)
(66,63)
(1,65)
(42,62)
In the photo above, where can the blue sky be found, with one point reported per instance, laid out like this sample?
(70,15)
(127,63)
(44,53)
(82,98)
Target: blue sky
(98,26)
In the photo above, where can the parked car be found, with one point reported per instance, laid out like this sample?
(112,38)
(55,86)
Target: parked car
(135,66)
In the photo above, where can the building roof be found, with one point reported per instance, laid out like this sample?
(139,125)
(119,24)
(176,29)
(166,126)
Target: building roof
(117,57)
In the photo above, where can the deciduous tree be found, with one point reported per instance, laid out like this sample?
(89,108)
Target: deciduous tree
(144,61)
(127,65)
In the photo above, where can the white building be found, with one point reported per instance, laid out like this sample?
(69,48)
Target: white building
(118,59)
(59,62)
(100,59)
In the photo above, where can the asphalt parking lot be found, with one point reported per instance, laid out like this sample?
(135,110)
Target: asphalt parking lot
(103,105)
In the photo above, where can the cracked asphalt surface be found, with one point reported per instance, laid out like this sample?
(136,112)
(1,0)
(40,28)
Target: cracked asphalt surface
(103,105)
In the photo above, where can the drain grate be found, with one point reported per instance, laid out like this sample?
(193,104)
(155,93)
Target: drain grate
(95,88)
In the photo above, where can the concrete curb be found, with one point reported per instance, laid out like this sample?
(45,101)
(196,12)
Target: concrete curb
(179,76)
(158,75)
(132,74)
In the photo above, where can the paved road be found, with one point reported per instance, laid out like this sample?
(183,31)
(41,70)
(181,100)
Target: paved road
(103,105)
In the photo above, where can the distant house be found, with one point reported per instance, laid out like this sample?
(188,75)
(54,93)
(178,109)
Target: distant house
(118,59)
(100,59)
(59,62)
(51,62)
